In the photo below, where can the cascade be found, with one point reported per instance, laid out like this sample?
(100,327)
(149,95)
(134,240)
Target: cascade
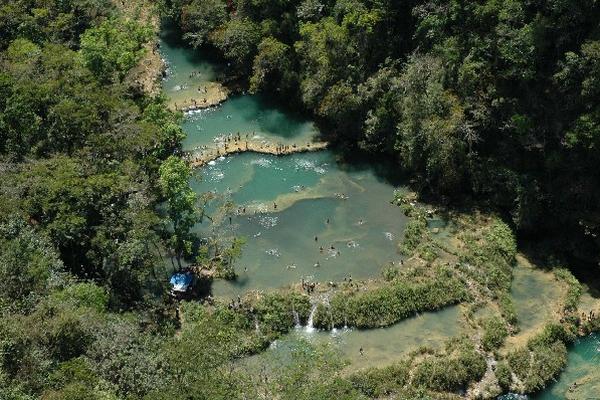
(296,318)
(309,325)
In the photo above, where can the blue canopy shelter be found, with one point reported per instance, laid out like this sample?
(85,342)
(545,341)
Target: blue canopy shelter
(181,282)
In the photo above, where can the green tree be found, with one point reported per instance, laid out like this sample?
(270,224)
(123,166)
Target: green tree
(111,49)
(326,54)
(238,39)
(180,203)
(431,131)
(200,18)
(27,261)
(272,68)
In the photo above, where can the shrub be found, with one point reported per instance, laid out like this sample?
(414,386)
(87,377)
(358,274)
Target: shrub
(503,375)
(494,333)
(453,370)
(83,294)
(507,308)
(543,358)
(492,253)
(414,232)
(389,273)
(275,310)
(574,289)
(391,303)
(380,382)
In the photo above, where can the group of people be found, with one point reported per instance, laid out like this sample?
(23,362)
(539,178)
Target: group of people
(308,287)
(193,105)
(233,143)
(588,317)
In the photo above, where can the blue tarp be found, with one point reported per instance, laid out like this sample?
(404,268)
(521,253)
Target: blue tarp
(181,281)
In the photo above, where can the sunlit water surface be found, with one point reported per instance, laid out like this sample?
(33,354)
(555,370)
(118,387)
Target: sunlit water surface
(345,208)
(381,347)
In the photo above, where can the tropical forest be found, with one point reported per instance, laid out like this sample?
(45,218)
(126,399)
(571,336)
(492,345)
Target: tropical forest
(299,199)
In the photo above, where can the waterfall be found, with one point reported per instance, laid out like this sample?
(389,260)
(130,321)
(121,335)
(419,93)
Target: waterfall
(311,316)
(296,318)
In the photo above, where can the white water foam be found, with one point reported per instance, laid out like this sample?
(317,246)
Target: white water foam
(309,324)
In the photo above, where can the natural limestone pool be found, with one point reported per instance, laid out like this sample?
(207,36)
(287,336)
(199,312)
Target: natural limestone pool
(311,216)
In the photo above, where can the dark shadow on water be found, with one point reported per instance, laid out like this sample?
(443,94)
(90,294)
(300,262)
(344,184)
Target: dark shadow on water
(384,168)
(171,35)
(548,250)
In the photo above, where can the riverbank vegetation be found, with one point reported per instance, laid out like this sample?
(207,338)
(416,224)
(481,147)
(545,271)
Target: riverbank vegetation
(95,198)
(431,373)
(82,313)
(492,101)
(407,294)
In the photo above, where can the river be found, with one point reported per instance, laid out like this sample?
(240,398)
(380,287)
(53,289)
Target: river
(310,216)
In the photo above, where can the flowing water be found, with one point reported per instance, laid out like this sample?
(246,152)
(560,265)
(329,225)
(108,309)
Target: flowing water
(308,216)
(380,347)
(581,378)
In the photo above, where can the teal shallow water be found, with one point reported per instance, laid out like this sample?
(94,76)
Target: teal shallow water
(187,71)
(247,114)
(309,189)
(381,347)
(304,215)
(316,198)
(583,368)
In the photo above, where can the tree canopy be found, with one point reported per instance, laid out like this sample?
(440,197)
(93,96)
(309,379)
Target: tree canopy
(494,101)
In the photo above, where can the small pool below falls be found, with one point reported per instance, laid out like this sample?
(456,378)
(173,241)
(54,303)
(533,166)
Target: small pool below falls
(380,347)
